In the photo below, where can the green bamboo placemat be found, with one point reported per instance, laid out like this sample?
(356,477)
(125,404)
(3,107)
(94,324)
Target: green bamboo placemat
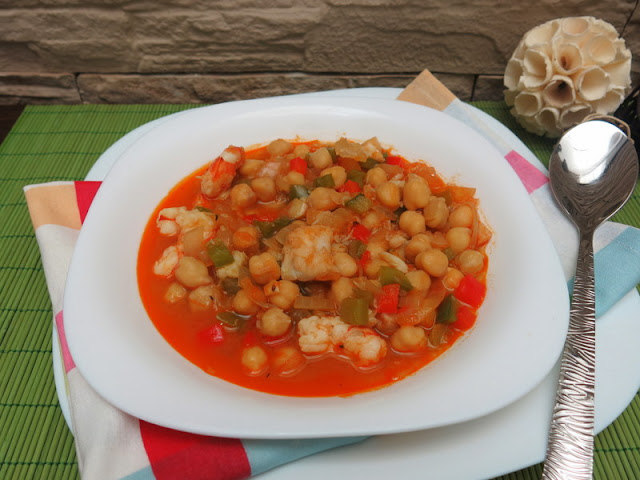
(51,143)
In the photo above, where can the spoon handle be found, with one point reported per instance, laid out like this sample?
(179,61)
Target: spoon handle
(570,445)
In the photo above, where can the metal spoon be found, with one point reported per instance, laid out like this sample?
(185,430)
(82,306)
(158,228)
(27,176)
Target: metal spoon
(593,171)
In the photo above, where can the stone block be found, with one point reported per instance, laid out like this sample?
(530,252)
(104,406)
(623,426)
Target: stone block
(16,88)
(441,35)
(63,40)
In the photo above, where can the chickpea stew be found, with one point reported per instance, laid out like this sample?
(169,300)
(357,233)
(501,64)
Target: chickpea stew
(314,268)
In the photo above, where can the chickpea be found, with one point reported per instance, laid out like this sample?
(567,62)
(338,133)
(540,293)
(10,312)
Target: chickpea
(372,220)
(321,158)
(416,193)
(297,208)
(346,265)
(459,238)
(376,177)
(372,268)
(338,173)
(420,280)
(265,188)
(251,167)
(452,278)
(274,322)
(279,147)
(470,261)
(341,289)
(254,359)
(242,196)
(264,268)
(245,238)
(192,273)
(416,245)
(282,293)
(409,339)
(294,178)
(412,222)
(243,304)
(436,212)
(433,261)
(202,297)
(287,360)
(175,293)
(461,216)
(322,198)
(301,151)
(389,195)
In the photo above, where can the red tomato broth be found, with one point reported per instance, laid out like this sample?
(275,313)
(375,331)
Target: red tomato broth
(323,375)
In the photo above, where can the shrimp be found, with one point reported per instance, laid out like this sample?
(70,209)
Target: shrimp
(221,172)
(166,221)
(168,261)
(320,335)
(308,256)
(364,346)
(373,149)
(190,219)
(174,220)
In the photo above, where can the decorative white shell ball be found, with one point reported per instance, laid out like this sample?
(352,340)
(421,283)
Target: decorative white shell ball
(564,70)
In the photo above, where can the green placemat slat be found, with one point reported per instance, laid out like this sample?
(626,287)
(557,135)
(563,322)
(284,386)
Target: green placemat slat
(50,143)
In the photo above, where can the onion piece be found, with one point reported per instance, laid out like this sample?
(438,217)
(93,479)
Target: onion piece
(313,303)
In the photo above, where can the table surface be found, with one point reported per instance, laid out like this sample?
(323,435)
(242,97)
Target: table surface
(49,143)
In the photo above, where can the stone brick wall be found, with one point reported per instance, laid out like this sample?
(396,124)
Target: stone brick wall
(197,51)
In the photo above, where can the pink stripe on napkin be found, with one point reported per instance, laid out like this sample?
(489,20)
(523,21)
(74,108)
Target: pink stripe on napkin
(64,348)
(530,176)
(85,191)
(174,454)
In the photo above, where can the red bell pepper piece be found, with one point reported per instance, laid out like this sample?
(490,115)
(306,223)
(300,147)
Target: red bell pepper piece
(470,291)
(299,165)
(387,299)
(365,258)
(466,318)
(213,335)
(349,186)
(360,232)
(399,161)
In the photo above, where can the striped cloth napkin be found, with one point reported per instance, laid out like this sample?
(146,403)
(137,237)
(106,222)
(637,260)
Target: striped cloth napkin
(113,445)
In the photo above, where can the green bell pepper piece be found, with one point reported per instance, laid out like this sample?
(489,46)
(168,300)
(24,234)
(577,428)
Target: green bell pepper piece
(219,254)
(355,311)
(359,204)
(325,181)
(230,318)
(389,275)
(269,229)
(448,310)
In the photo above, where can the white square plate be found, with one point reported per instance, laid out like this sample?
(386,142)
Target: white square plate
(517,339)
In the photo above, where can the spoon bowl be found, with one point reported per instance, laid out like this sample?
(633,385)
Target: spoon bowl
(593,171)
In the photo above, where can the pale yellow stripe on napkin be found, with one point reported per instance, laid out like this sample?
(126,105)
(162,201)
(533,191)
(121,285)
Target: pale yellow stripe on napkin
(427,90)
(53,205)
